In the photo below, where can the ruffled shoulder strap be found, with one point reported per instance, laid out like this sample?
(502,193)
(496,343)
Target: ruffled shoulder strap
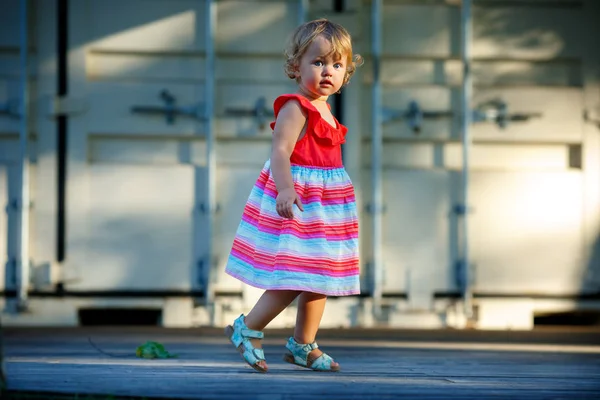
(323,131)
(304,103)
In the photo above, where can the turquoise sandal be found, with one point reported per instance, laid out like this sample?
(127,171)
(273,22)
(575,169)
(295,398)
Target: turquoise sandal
(239,334)
(298,355)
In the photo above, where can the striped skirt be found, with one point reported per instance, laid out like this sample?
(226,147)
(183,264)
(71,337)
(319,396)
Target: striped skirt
(317,251)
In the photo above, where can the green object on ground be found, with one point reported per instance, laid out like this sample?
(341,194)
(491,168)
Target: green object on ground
(153,350)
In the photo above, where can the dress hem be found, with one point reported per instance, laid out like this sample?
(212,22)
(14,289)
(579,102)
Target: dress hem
(287,287)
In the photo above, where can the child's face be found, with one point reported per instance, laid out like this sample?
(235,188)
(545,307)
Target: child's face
(321,75)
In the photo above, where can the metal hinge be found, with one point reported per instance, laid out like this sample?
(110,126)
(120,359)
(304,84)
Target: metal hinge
(260,111)
(170,109)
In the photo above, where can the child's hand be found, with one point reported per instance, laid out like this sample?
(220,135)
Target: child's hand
(285,202)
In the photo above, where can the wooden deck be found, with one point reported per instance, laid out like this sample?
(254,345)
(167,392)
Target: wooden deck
(376,364)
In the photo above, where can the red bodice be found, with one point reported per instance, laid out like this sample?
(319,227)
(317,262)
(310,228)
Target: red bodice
(320,145)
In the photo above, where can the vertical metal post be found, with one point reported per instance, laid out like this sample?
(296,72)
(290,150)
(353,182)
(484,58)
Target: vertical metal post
(22,272)
(302,9)
(466,120)
(211,166)
(376,155)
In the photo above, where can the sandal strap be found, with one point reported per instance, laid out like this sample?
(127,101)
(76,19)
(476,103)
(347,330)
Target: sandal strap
(253,355)
(296,347)
(300,352)
(249,333)
(241,333)
(307,348)
(322,363)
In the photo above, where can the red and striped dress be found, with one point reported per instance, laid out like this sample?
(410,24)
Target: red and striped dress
(317,251)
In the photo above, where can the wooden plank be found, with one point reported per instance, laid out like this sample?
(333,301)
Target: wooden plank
(209,368)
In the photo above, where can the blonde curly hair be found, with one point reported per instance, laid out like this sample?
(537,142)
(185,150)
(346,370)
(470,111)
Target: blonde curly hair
(305,34)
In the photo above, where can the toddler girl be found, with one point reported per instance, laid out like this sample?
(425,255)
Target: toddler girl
(298,237)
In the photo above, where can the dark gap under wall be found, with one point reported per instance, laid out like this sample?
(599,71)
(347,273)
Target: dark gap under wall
(119,317)
(571,318)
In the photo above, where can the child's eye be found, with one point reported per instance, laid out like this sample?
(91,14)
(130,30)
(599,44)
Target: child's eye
(318,63)
(338,65)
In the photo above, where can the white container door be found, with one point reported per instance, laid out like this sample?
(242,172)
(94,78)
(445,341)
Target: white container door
(533,185)
(136,181)
(137,192)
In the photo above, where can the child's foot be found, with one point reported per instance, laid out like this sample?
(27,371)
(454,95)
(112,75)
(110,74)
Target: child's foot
(256,343)
(309,356)
(260,365)
(316,353)
(247,342)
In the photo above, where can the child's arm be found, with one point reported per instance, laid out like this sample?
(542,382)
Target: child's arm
(288,127)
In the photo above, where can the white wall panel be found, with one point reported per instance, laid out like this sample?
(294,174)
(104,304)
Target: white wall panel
(409,72)
(109,108)
(140,228)
(560,112)
(416,229)
(166,151)
(526,232)
(233,188)
(255,27)
(419,30)
(527,33)
(136,25)
(432,30)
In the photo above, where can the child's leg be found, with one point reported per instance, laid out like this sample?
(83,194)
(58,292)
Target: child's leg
(310,312)
(270,305)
